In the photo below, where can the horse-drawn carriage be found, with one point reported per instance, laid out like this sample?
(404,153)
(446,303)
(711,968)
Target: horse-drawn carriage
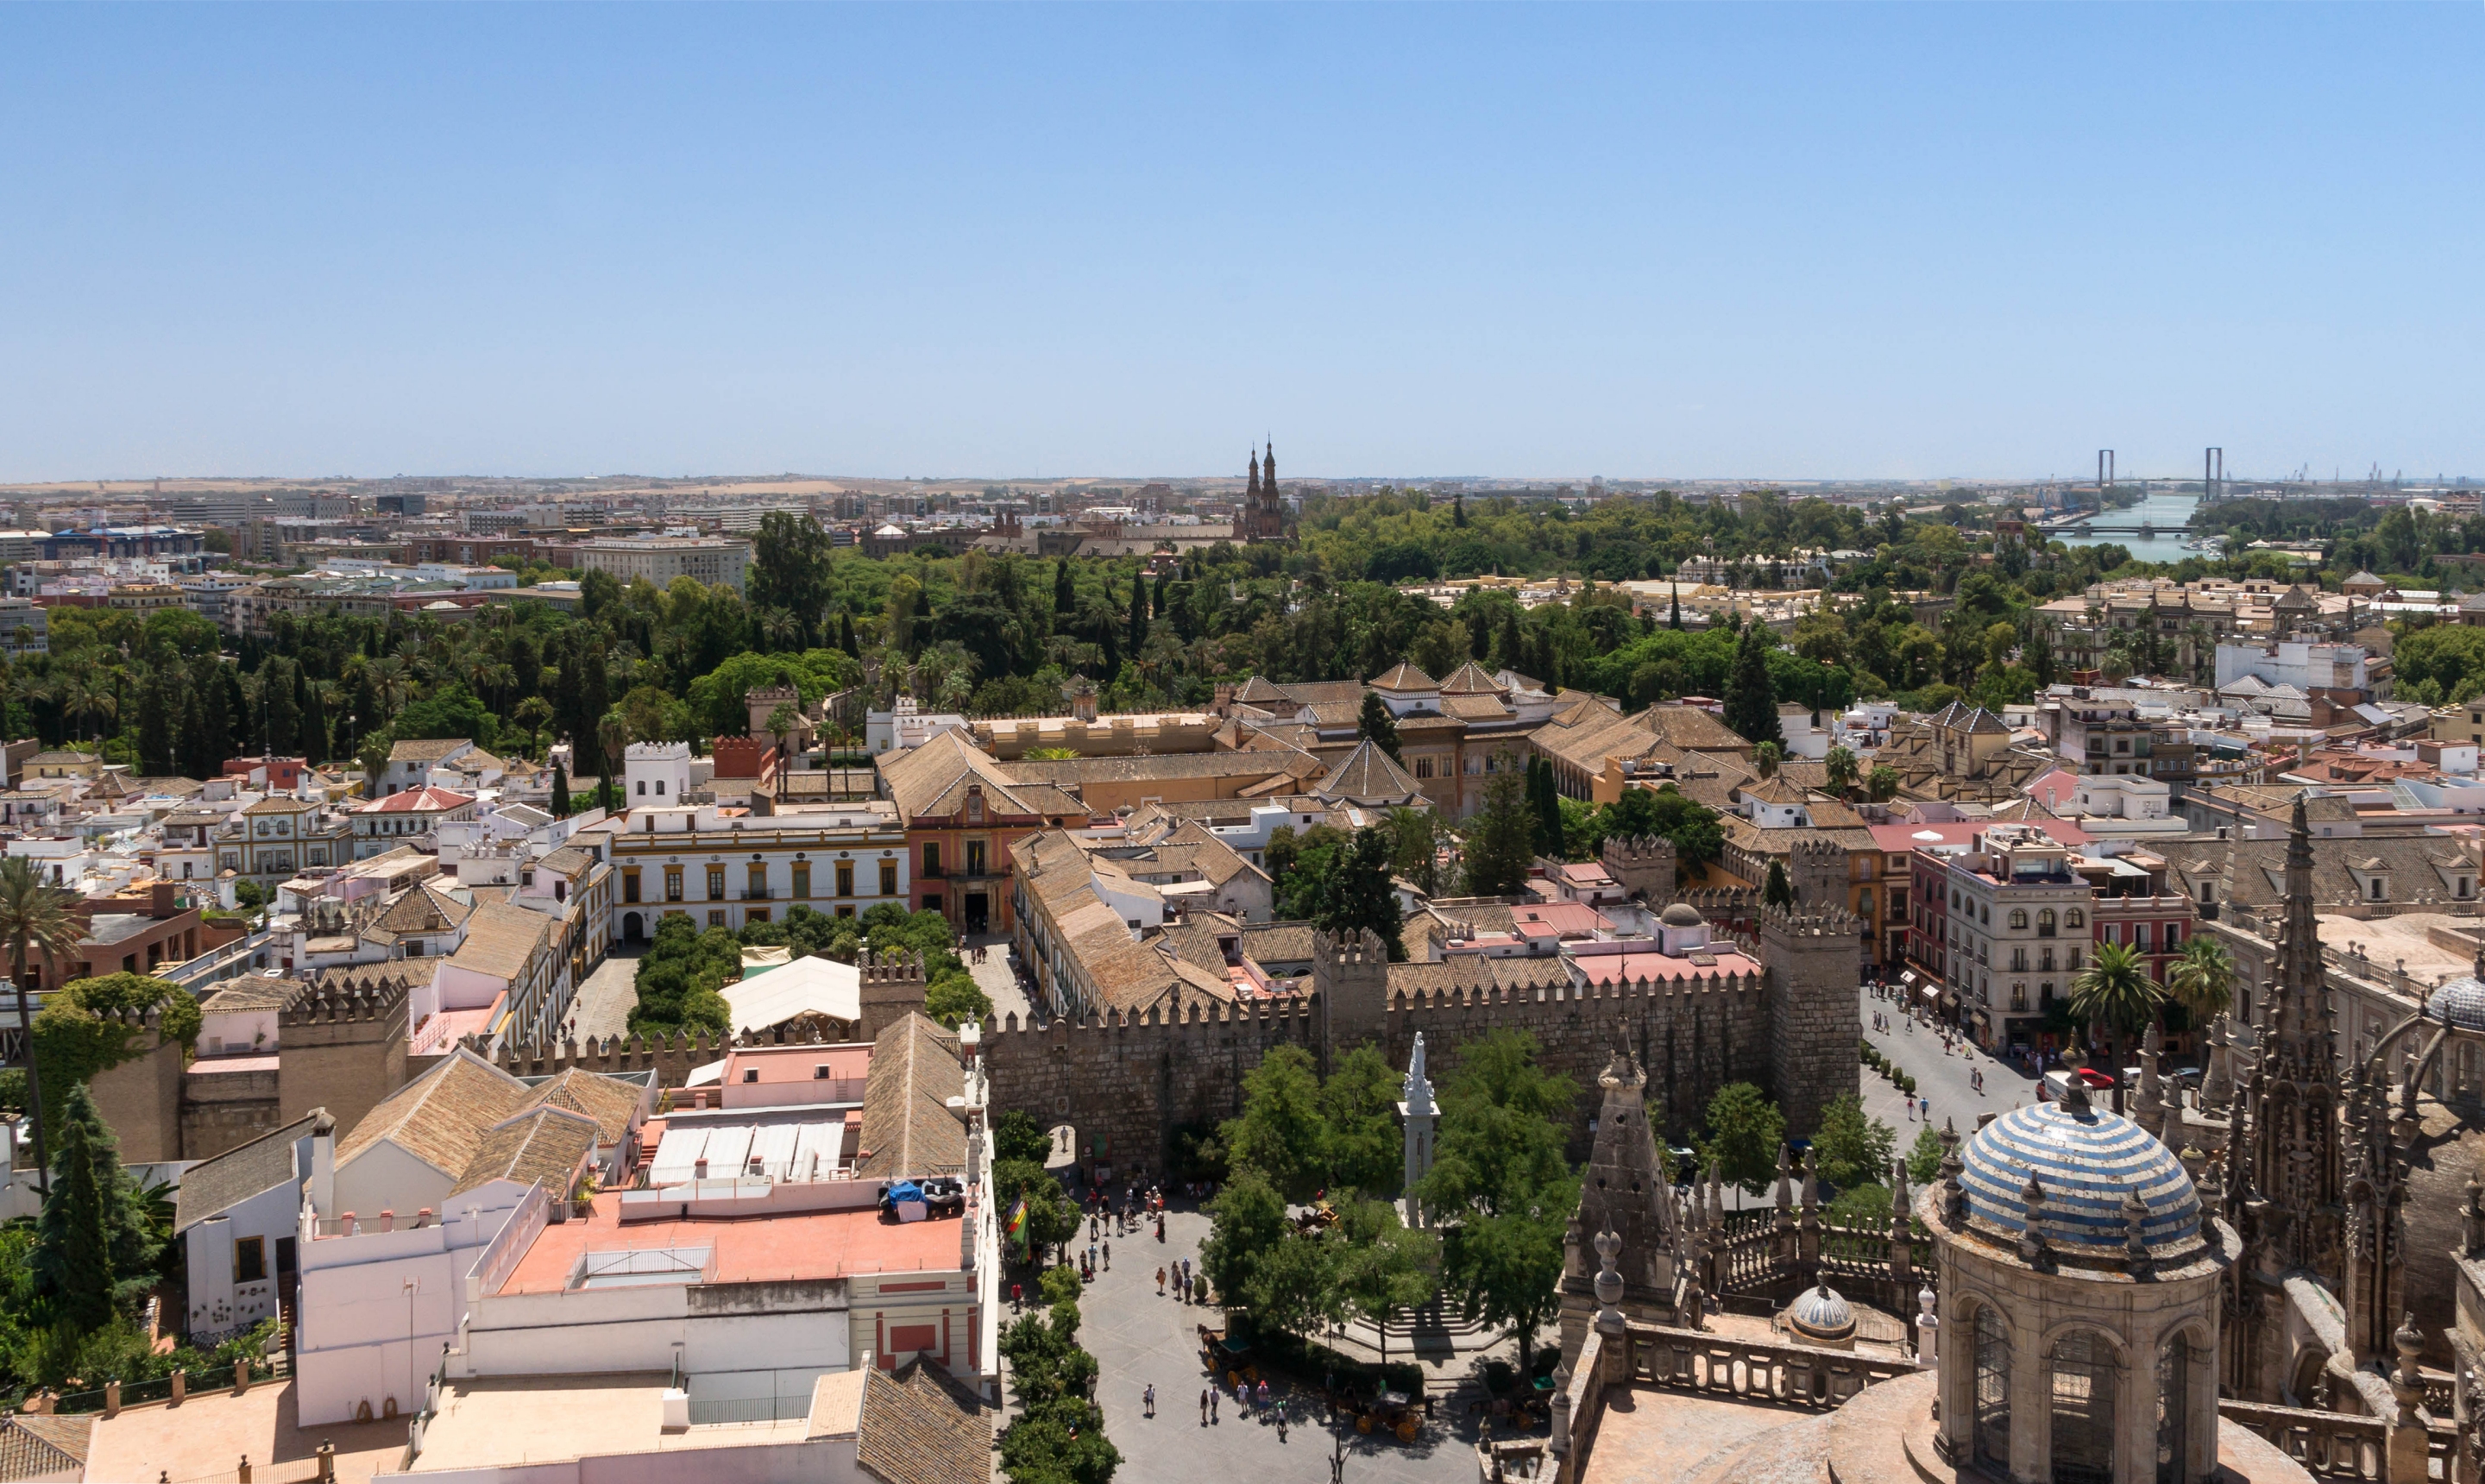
(1227,1357)
(1394,1412)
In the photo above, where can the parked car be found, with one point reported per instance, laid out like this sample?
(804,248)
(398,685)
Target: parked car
(2058,1080)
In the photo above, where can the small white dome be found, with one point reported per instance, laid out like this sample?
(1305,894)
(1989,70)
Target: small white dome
(1823,1311)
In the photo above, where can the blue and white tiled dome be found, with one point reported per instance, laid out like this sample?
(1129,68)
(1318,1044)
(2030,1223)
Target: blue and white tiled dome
(1821,1310)
(2085,1160)
(2461,1003)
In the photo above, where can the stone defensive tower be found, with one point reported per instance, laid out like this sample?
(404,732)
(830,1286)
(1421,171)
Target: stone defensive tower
(1814,961)
(1816,869)
(1644,866)
(892,984)
(345,1048)
(1351,983)
(141,1099)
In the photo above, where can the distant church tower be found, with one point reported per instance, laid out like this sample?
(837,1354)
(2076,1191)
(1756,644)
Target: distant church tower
(1263,517)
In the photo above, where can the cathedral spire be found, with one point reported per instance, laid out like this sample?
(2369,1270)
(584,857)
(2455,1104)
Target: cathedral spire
(1269,467)
(2299,1020)
(1254,493)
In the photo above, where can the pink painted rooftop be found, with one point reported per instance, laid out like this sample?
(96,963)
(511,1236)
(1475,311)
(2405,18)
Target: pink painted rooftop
(797,1063)
(1632,968)
(749,1250)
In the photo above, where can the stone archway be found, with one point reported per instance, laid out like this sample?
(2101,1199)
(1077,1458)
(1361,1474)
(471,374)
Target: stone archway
(634,929)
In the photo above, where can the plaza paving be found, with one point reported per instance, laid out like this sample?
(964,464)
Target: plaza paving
(1138,1339)
(603,1003)
(1941,1077)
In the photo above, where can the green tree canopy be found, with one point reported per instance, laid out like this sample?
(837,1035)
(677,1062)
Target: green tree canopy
(1745,1135)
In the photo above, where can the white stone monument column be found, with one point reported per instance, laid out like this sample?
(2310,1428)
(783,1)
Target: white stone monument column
(1418,1115)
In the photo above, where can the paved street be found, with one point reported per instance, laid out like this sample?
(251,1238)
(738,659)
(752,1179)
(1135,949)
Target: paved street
(1940,1076)
(998,978)
(1139,1338)
(602,1006)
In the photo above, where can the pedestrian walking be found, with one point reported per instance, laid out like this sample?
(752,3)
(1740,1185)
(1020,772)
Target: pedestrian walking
(1203,1406)
(1264,1393)
(1108,1255)
(1160,1281)
(1216,1394)
(1148,1398)
(1242,1396)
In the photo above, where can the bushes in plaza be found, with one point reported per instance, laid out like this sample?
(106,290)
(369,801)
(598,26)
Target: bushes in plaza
(1059,1435)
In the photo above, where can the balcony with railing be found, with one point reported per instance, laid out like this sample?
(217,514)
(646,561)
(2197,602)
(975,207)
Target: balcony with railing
(758,893)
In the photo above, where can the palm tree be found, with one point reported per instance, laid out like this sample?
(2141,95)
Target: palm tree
(387,677)
(2114,995)
(1765,757)
(1842,770)
(2203,979)
(34,916)
(1881,785)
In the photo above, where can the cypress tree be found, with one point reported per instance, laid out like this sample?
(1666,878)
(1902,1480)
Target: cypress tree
(91,1226)
(1548,813)
(1675,621)
(1751,700)
(1778,893)
(315,724)
(1138,613)
(1377,724)
(560,791)
(846,635)
(1359,892)
(1065,594)
(1500,844)
(159,712)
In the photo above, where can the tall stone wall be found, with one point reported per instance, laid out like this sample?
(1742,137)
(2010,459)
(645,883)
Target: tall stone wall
(1136,1081)
(1126,1083)
(223,1110)
(1815,1028)
(141,1099)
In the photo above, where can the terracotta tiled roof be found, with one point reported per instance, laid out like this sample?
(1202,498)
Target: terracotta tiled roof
(608,1100)
(932,780)
(425,800)
(424,909)
(251,992)
(919,1425)
(1471,678)
(1367,774)
(1405,677)
(36,1446)
(429,749)
(499,940)
(907,1126)
(226,1181)
(439,1117)
(541,1144)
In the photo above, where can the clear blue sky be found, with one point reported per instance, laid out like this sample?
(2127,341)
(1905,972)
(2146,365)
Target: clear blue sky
(1027,241)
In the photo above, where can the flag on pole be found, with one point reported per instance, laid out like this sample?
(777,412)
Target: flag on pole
(1018,1221)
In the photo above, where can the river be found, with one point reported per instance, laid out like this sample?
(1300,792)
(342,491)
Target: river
(2167,512)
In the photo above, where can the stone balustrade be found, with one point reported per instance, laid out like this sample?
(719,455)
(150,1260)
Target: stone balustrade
(2329,1445)
(1750,1369)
